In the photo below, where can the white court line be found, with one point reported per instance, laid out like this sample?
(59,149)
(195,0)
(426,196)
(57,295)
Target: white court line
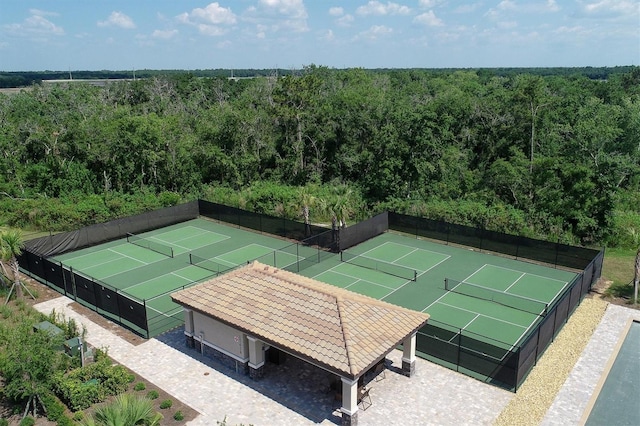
(360,279)
(476,271)
(486,316)
(154,278)
(465,326)
(528,273)
(506,290)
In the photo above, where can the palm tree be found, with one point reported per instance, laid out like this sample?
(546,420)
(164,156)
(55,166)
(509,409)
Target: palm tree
(125,410)
(11,245)
(306,200)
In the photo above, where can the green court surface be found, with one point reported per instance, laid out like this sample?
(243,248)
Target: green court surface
(142,267)
(494,299)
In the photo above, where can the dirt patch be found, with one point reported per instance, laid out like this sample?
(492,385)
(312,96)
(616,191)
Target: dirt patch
(599,291)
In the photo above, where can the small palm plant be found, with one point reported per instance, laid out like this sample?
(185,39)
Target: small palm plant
(125,410)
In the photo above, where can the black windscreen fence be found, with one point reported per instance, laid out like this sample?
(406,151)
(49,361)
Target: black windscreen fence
(471,354)
(363,231)
(103,232)
(263,223)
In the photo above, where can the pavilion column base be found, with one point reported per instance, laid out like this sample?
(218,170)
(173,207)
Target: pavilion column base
(256,373)
(190,341)
(349,419)
(408,368)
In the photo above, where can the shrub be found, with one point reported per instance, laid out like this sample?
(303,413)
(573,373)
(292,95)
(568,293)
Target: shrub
(167,403)
(153,394)
(53,407)
(65,421)
(4,422)
(178,416)
(139,386)
(28,421)
(85,386)
(78,416)
(6,312)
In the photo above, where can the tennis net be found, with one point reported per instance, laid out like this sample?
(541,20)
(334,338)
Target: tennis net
(151,245)
(209,264)
(379,265)
(521,303)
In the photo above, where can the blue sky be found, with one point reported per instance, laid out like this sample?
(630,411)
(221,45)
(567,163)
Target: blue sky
(40,35)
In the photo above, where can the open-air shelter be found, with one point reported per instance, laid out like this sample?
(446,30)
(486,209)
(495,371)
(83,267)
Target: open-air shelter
(239,316)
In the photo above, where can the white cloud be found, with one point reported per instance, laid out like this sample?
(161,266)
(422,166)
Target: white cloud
(428,18)
(428,4)
(377,8)
(467,8)
(278,15)
(507,24)
(345,20)
(336,11)
(375,32)
(610,7)
(117,19)
(326,35)
(164,34)
(213,20)
(35,25)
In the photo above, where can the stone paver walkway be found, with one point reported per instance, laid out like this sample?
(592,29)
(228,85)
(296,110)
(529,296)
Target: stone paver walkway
(293,393)
(574,396)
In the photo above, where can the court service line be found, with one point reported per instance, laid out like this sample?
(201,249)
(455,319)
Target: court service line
(476,271)
(91,253)
(95,264)
(436,301)
(528,273)
(469,323)
(487,316)
(412,247)
(431,267)
(360,279)
(131,257)
(506,290)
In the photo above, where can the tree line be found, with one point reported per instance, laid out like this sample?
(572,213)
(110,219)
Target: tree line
(548,155)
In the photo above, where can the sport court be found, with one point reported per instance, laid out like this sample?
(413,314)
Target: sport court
(490,302)
(495,301)
(149,266)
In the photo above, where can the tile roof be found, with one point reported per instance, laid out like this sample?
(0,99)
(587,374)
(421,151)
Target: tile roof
(337,329)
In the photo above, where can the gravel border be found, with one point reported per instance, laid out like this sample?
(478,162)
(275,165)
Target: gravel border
(536,395)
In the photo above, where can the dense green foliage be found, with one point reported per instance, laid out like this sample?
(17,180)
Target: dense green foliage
(552,155)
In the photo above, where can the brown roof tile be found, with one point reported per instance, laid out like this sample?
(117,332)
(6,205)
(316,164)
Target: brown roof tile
(344,331)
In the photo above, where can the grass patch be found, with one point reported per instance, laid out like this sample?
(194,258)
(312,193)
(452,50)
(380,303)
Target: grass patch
(618,267)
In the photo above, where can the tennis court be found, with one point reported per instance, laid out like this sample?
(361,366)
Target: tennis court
(493,302)
(149,266)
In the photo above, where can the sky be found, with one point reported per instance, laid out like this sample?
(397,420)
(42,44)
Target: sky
(38,35)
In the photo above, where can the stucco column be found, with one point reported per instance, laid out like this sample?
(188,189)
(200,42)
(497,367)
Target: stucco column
(409,355)
(256,358)
(349,402)
(188,328)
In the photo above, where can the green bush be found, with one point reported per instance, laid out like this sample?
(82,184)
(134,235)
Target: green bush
(4,422)
(65,421)
(53,407)
(28,421)
(153,394)
(78,416)
(139,386)
(167,403)
(178,416)
(85,386)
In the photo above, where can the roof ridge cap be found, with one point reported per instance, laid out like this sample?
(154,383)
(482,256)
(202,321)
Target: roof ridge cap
(346,334)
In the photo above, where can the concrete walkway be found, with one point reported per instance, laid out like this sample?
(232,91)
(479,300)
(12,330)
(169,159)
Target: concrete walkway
(575,395)
(293,393)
